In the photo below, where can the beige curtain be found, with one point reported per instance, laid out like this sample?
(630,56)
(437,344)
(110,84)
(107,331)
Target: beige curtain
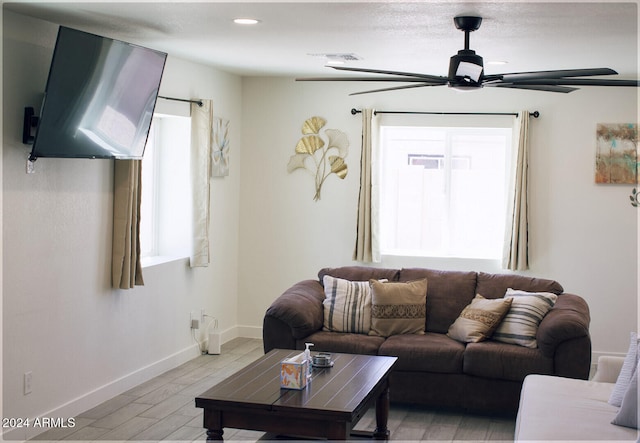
(201,133)
(126,270)
(367,247)
(515,255)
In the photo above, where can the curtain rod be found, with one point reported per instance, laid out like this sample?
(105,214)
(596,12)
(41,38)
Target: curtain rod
(198,102)
(534,114)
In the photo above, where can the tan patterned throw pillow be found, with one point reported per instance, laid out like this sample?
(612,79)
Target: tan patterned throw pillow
(398,307)
(479,319)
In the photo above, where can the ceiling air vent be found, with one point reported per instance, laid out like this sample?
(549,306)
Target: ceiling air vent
(337,57)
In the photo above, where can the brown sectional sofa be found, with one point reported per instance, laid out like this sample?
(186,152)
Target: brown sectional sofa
(433,369)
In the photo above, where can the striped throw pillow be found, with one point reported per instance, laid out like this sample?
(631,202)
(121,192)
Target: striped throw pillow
(520,325)
(347,305)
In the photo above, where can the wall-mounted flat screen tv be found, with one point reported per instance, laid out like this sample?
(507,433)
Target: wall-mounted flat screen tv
(99,98)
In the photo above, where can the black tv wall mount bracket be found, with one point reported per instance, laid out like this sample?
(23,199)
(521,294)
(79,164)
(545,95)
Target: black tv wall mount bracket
(30,123)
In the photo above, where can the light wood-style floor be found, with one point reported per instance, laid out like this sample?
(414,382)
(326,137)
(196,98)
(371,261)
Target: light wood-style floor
(162,409)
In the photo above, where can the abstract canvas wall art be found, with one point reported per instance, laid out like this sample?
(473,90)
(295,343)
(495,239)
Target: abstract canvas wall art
(617,153)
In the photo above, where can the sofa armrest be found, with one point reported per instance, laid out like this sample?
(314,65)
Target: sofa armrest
(608,368)
(563,335)
(297,313)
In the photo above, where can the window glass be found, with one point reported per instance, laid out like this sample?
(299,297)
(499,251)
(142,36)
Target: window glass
(165,224)
(443,191)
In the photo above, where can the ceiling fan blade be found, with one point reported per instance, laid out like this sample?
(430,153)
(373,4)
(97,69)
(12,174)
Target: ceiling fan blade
(364,79)
(422,77)
(562,73)
(396,88)
(534,87)
(581,82)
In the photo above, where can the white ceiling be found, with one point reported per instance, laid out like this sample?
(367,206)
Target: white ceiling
(408,36)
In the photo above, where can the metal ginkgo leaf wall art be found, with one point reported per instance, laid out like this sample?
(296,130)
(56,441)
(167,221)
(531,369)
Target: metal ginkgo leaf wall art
(318,157)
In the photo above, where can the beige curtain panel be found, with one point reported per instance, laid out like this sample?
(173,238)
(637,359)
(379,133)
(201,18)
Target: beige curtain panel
(367,248)
(126,270)
(201,142)
(515,255)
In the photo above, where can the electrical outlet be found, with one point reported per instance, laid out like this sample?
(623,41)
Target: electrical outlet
(28,376)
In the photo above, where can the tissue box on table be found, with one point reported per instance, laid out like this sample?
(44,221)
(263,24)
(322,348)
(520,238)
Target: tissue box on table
(293,372)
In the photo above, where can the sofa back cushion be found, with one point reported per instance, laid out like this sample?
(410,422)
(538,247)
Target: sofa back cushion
(495,285)
(448,292)
(360,273)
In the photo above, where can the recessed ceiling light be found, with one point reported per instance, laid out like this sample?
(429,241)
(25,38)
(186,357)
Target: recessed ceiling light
(497,62)
(246,21)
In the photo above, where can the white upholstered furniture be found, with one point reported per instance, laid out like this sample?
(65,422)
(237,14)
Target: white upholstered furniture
(565,409)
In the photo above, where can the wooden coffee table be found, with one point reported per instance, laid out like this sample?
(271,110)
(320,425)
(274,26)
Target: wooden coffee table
(330,405)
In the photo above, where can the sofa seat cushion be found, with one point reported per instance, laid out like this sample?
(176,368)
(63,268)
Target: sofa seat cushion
(566,409)
(324,341)
(492,359)
(430,352)
(447,295)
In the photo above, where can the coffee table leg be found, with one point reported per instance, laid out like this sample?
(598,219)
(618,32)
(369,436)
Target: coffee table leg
(213,423)
(214,435)
(382,415)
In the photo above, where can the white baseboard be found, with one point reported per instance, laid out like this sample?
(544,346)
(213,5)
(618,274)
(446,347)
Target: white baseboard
(240,331)
(250,331)
(106,392)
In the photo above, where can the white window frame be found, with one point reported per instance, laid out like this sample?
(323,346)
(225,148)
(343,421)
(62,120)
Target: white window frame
(149,199)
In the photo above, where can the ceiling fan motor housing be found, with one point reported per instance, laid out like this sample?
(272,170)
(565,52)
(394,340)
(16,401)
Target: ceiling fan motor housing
(466,70)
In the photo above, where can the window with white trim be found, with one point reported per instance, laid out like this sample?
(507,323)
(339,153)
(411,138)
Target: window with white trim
(165,208)
(443,191)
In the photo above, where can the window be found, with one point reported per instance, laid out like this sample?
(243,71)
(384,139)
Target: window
(165,221)
(443,191)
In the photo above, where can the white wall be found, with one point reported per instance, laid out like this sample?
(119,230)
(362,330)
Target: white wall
(581,234)
(83,341)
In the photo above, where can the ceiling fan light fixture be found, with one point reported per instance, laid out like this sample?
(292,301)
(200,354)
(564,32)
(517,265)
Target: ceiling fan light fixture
(465,70)
(469,70)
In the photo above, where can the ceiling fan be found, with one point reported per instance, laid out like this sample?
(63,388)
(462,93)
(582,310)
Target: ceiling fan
(466,72)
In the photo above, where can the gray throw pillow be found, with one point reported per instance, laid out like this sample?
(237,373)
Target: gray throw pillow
(626,373)
(628,414)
